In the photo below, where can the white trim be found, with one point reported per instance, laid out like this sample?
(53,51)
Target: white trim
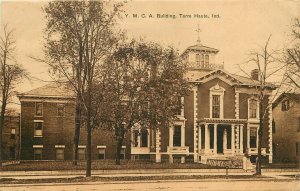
(59,146)
(195,98)
(81,146)
(123,147)
(37,146)
(38,121)
(270,131)
(217,90)
(101,146)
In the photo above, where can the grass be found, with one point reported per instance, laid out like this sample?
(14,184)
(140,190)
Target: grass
(130,178)
(100,165)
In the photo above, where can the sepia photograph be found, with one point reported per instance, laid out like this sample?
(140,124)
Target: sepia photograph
(147,95)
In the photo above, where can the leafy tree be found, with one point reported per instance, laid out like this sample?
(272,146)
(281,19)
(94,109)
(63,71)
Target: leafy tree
(11,74)
(143,82)
(79,37)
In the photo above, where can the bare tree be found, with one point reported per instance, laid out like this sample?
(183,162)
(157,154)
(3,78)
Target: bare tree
(10,74)
(292,58)
(268,64)
(79,37)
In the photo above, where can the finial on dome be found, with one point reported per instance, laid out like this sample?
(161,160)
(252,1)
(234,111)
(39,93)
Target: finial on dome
(198,31)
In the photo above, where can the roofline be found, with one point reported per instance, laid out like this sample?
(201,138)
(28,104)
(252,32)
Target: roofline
(43,96)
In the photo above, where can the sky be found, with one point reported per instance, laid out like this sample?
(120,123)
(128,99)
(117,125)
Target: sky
(237,28)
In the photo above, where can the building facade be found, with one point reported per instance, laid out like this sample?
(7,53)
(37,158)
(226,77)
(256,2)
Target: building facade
(286,128)
(219,119)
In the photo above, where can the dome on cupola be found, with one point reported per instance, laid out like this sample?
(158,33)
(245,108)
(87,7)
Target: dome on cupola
(200,57)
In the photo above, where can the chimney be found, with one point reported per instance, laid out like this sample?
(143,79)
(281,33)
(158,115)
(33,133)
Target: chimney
(255,74)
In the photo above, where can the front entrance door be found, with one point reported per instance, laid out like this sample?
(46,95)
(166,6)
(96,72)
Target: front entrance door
(220,131)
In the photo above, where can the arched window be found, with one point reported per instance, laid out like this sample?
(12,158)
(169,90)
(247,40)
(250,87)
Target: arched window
(206,61)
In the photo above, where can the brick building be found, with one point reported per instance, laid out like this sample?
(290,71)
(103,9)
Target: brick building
(219,119)
(11,136)
(286,128)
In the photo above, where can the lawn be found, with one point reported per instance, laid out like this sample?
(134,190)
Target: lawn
(100,165)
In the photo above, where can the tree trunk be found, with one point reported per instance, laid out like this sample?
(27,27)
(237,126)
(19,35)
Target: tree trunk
(260,134)
(119,143)
(89,151)
(3,107)
(77,131)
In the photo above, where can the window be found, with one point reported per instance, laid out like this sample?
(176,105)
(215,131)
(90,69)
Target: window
(60,153)
(202,61)
(101,152)
(81,154)
(144,138)
(253,135)
(60,110)
(298,130)
(298,148)
(135,138)
(273,126)
(38,129)
(253,108)
(216,106)
(12,153)
(206,61)
(122,154)
(198,59)
(39,109)
(13,133)
(38,153)
(177,136)
(285,105)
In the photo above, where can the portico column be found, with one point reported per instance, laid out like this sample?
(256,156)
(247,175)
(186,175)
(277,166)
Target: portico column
(215,138)
(248,137)
(241,139)
(232,139)
(171,134)
(182,140)
(157,149)
(199,139)
(225,140)
(206,138)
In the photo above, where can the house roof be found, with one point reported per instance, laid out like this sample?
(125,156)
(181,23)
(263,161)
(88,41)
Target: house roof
(54,89)
(236,79)
(293,96)
(200,47)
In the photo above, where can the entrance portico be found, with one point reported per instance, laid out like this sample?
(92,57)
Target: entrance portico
(220,136)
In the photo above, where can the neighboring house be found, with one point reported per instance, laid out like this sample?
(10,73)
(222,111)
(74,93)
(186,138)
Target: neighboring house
(11,136)
(286,128)
(48,123)
(219,119)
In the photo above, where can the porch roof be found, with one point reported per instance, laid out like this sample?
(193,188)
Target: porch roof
(222,121)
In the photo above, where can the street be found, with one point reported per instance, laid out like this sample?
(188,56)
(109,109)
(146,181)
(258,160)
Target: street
(192,185)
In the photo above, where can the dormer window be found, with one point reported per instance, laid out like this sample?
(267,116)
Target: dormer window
(285,105)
